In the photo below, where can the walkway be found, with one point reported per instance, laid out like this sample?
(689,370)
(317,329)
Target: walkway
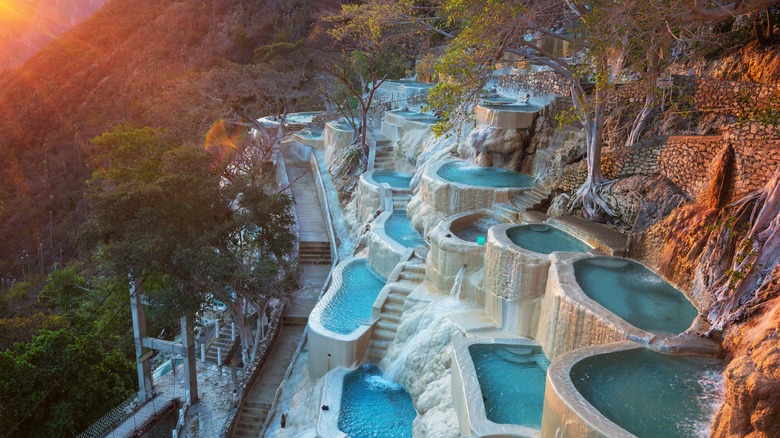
(144,417)
(313,276)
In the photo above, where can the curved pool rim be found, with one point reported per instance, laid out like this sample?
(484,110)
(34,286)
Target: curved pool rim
(564,405)
(384,252)
(467,393)
(332,390)
(328,349)
(369,178)
(466,164)
(660,333)
(544,227)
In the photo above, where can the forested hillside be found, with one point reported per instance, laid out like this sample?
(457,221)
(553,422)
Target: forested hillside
(114,68)
(26,26)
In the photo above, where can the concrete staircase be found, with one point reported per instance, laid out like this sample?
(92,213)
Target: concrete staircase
(531,199)
(222,342)
(412,274)
(384,152)
(401,198)
(252,418)
(314,253)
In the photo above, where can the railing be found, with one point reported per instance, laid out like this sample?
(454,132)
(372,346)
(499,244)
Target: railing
(182,414)
(335,260)
(111,419)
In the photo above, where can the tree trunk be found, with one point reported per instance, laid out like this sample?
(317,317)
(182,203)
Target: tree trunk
(588,194)
(651,101)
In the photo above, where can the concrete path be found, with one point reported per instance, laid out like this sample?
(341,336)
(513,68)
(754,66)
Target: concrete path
(312,228)
(307,204)
(143,416)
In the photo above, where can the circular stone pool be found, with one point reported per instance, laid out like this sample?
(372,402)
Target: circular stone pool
(374,406)
(399,228)
(469,174)
(352,302)
(512,380)
(476,230)
(518,108)
(545,239)
(396,180)
(635,294)
(651,394)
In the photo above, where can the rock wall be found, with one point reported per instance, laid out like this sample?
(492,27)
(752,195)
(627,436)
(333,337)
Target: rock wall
(534,81)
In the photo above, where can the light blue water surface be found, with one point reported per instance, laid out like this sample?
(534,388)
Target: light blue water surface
(399,227)
(374,406)
(469,174)
(512,380)
(395,179)
(519,108)
(651,394)
(352,301)
(636,294)
(545,239)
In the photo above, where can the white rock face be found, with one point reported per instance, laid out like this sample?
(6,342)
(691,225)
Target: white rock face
(420,357)
(490,146)
(302,409)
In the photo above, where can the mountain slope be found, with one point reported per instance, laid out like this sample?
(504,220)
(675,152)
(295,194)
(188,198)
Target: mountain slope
(111,69)
(29,25)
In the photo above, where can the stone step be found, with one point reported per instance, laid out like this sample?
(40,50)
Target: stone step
(413,276)
(385,324)
(414,267)
(383,335)
(402,288)
(393,308)
(249,427)
(381,344)
(395,297)
(295,320)
(391,318)
(375,354)
(256,404)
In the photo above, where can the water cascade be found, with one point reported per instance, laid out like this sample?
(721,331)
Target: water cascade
(458,285)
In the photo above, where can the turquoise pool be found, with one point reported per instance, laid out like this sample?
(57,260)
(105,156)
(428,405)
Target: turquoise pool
(512,380)
(351,303)
(545,239)
(519,108)
(396,180)
(399,228)
(374,406)
(636,294)
(478,230)
(651,394)
(469,174)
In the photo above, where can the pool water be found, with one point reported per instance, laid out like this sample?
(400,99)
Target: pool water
(374,406)
(399,227)
(397,180)
(415,84)
(636,294)
(545,239)
(477,230)
(308,133)
(352,301)
(341,125)
(512,380)
(469,174)
(651,394)
(519,108)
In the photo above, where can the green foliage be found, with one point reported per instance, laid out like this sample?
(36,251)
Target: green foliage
(56,385)
(176,224)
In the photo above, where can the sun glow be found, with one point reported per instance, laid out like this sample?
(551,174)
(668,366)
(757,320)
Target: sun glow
(15,11)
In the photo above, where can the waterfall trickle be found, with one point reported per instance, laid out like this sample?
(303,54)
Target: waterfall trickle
(458,284)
